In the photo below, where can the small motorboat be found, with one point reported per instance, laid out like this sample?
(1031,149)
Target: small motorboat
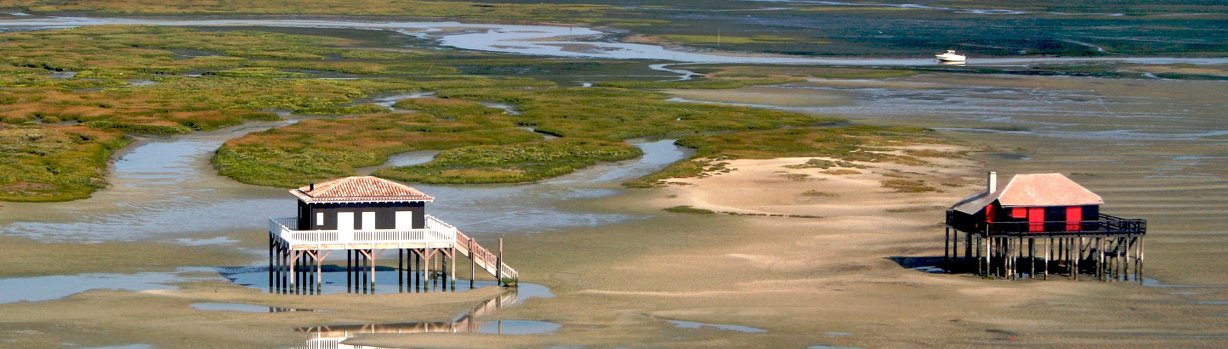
(950,56)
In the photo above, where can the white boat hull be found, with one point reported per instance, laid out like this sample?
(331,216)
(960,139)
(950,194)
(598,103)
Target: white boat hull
(950,56)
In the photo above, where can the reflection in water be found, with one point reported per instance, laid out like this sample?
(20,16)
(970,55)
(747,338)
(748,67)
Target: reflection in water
(333,336)
(246,308)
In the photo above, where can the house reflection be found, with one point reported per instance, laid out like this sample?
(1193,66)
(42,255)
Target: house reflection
(327,337)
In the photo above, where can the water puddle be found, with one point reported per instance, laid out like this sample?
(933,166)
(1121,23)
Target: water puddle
(63,74)
(141,82)
(722,327)
(221,240)
(402,159)
(246,308)
(507,108)
(45,288)
(391,101)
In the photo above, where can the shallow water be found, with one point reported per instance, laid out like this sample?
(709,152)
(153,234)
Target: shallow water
(557,41)
(44,288)
(723,327)
(386,281)
(159,186)
(166,187)
(470,321)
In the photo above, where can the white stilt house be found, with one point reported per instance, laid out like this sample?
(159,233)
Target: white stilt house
(367,216)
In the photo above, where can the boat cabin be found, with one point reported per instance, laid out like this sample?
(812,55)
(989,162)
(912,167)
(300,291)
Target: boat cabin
(360,203)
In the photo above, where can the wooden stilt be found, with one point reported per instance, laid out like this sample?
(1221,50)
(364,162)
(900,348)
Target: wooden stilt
(1031,258)
(946,246)
(472,263)
(1048,252)
(499,265)
(1078,255)
(1141,260)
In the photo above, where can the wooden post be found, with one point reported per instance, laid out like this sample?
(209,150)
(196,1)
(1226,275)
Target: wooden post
(499,264)
(400,269)
(946,245)
(1078,254)
(426,271)
(293,260)
(472,263)
(1141,261)
(968,247)
(270,262)
(372,261)
(988,266)
(1048,252)
(1032,258)
(452,264)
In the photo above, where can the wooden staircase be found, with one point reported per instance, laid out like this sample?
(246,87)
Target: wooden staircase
(484,259)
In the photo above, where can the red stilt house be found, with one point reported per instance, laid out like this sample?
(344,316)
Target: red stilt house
(1007,224)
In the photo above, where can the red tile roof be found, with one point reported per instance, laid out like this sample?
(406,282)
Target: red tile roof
(1032,190)
(1046,189)
(359,189)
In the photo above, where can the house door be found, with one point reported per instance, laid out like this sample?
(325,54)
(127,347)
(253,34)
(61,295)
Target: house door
(345,221)
(405,220)
(368,221)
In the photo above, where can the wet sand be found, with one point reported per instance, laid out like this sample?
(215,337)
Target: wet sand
(1152,148)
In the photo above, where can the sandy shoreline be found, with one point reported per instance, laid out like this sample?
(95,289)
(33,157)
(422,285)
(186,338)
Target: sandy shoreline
(840,280)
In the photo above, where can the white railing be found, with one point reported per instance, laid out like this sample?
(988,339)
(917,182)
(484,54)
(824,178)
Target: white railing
(436,232)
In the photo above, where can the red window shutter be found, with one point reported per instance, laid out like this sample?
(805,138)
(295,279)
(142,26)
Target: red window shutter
(989,213)
(1019,213)
(1036,219)
(1074,215)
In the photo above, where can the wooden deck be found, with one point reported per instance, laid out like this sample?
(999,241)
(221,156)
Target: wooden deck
(1110,248)
(438,238)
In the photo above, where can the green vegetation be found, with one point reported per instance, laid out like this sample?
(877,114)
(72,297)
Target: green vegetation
(316,150)
(614,114)
(688,210)
(163,80)
(816,193)
(515,163)
(844,143)
(54,163)
(908,186)
(403,8)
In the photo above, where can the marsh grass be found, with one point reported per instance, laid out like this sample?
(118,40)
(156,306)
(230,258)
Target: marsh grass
(515,163)
(687,209)
(908,186)
(204,80)
(54,163)
(315,150)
